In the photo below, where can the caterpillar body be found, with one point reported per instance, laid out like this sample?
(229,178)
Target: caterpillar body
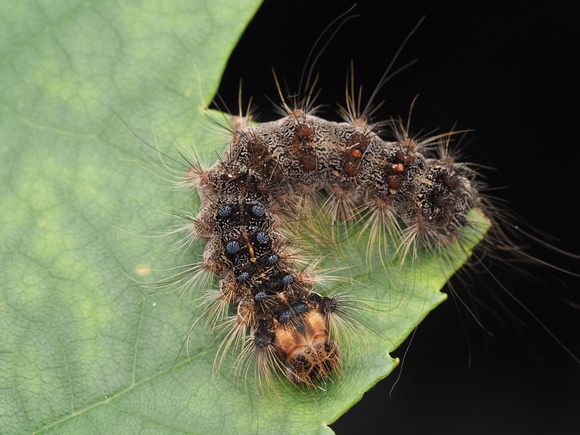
(266,175)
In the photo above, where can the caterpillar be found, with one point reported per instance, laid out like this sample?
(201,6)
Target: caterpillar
(269,170)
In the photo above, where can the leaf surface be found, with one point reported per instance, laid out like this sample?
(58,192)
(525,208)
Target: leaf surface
(86,346)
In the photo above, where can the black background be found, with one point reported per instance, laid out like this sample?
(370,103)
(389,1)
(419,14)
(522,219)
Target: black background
(510,74)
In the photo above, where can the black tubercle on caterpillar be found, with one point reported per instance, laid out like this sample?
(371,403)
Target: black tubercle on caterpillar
(507,76)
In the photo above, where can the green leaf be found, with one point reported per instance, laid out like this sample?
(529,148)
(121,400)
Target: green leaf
(85,347)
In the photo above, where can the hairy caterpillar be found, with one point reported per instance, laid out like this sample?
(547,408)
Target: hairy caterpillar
(267,172)
(299,46)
